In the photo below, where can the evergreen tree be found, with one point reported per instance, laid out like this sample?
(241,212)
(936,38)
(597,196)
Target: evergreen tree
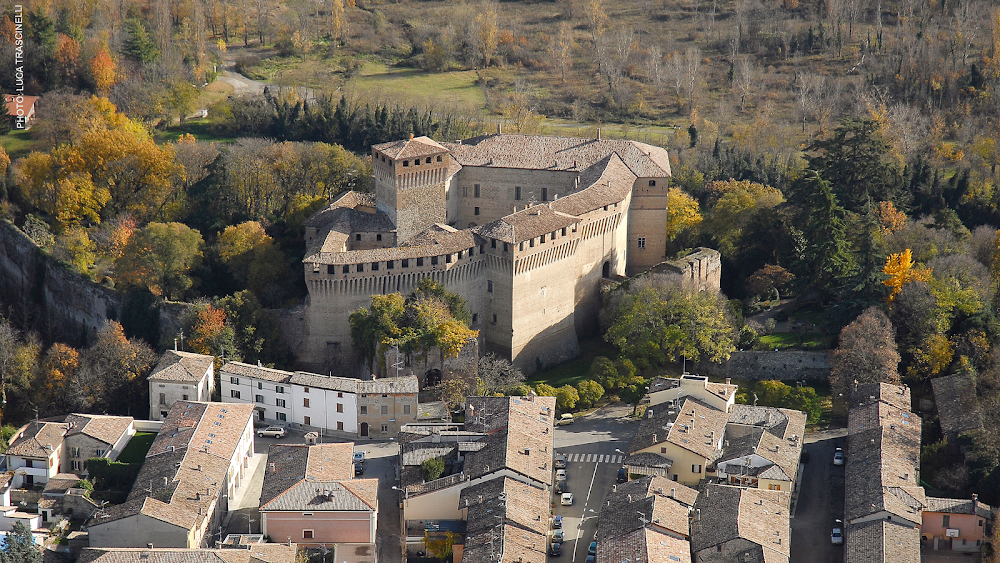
(138,46)
(19,546)
(864,288)
(827,257)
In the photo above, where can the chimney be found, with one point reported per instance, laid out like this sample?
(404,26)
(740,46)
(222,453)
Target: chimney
(274,468)
(673,491)
(411,137)
(729,381)
(197,496)
(149,546)
(654,438)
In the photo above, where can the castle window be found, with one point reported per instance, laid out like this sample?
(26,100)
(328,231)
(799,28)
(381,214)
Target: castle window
(416,162)
(361,268)
(406,262)
(545,194)
(477,190)
(505,247)
(420,262)
(357,236)
(475,319)
(331,270)
(439,158)
(517,192)
(564,231)
(447,258)
(652,182)
(494,318)
(465,191)
(406,163)
(434,260)
(347,269)
(642,242)
(520,247)
(390,264)
(531,243)
(541,239)
(374,266)
(605,207)
(378,237)
(477,209)
(428,160)
(493,244)
(489,286)
(482,247)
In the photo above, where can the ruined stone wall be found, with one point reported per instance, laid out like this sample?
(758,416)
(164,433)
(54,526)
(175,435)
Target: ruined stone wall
(701,270)
(36,287)
(789,365)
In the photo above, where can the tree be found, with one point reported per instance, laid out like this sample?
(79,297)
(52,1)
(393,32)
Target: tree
(256,330)
(545,390)
(18,357)
(899,268)
(159,257)
(59,184)
(827,255)
(111,377)
(682,212)
(566,397)
(497,376)
(103,71)
(432,468)
(866,354)
(19,546)
(770,278)
(138,46)
(67,59)
(590,392)
(211,335)
(734,204)
(488,36)
(55,377)
(604,372)
(453,393)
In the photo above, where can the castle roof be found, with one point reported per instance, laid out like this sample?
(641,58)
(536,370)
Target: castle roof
(607,182)
(526,224)
(410,148)
(537,152)
(444,243)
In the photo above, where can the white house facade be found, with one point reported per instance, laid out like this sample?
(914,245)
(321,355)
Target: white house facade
(180,376)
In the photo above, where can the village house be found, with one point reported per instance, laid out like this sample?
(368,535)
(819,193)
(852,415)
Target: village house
(35,453)
(94,435)
(680,443)
(255,553)
(20,110)
(736,524)
(191,473)
(762,447)
(180,376)
(385,404)
(310,497)
(647,519)
(506,521)
(955,524)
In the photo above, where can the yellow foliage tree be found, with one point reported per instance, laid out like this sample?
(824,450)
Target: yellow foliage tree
(889,218)
(58,184)
(899,268)
(103,70)
(683,212)
(489,33)
(932,357)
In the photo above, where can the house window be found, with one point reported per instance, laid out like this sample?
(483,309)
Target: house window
(663,450)
(340,425)
(29,463)
(517,193)
(385,428)
(331,269)
(305,389)
(279,389)
(489,286)
(305,402)
(163,414)
(340,394)
(642,242)
(493,244)
(258,399)
(946,521)
(477,190)
(361,268)
(407,164)
(347,269)
(674,478)
(163,398)
(406,263)
(308,534)
(260,385)
(234,380)
(184,397)
(545,194)
(281,416)
(447,258)
(465,191)
(652,183)
(100,453)
(406,409)
(385,409)
(307,513)
(475,317)
(306,420)
(364,409)
(505,247)
(378,237)
(234,394)
(77,466)
(279,403)
(695,469)
(357,236)
(477,211)
(420,262)
(340,407)
(494,318)
(774,487)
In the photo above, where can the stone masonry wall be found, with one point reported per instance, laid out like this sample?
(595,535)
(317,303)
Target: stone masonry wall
(71,306)
(758,366)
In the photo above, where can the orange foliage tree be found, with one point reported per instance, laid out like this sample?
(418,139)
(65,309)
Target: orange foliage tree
(103,70)
(900,269)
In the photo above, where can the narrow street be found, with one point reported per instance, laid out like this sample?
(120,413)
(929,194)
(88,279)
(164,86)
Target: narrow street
(821,500)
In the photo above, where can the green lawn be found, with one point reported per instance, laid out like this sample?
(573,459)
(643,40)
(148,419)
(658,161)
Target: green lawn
(17,143)
(201,129)
(577,369)
(811,341)
(455,88)
(135,451)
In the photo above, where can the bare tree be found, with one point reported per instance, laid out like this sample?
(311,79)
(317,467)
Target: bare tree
(867,353)
(806,85)
(746,79)
(692,68)
(562,50)
(654,65)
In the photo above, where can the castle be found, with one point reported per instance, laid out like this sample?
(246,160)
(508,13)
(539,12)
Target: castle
(523,227)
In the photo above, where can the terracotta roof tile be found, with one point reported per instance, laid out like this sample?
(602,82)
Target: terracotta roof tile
(734,513)
(38,440)
(417,146)
(186,367)
(527,224)
(107,429)
(256,372)
(881,541)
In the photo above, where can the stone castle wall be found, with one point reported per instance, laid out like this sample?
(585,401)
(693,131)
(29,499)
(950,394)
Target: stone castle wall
(498,192)
(758,366)
(701,270)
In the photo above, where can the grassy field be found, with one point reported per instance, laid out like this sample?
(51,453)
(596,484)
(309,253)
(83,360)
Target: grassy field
(810,341)
(577,369)
(201,129)
(17,143)
(453,88)
(135,451)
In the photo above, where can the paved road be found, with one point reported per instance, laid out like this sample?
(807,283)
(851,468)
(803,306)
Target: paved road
(380,463)
(592,465)
(821,501)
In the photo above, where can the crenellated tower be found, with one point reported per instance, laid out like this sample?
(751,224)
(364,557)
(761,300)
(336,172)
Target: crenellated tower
(410,178)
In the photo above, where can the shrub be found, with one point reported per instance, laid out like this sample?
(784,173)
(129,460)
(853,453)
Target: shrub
(432,468)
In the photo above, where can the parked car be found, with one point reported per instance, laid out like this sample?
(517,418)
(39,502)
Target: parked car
(837,537)
(564,419)
(622,475)
(566,499)
(271,432)
(560,487)
(359,468)
(838,457)
(560,474)
(591,559)
(557,522)
(558,535)
(359,456)
(592,550)
(556,549)
(560,461)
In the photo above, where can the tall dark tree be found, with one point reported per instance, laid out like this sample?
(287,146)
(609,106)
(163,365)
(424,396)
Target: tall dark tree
(864,287)
(856,161)
(826,259)
(138,45)
(19,546)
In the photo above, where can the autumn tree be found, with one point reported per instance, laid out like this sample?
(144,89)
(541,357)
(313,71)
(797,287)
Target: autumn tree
(103,71)
(566,397)
(899,268)
(733,205)
(56,374)
(18,357)
(488,33)
(866,354)
(159,257)
(111,376)
(682,212)
(770,278)
(58,184)
(590,392)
